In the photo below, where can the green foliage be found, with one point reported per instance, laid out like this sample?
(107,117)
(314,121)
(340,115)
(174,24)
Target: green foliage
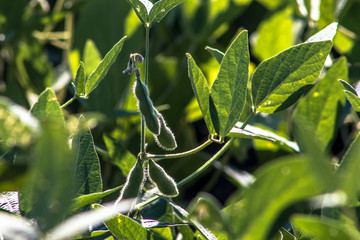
(275,124)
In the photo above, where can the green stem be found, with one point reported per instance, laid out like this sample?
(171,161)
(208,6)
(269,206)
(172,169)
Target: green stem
(179,155)
(68,102)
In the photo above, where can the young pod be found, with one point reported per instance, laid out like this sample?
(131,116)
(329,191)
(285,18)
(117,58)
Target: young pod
(162,180)
(146,107)
(134,182)
(166,139)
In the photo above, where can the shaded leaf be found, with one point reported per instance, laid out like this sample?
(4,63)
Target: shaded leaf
(12,177)
(325,228)
(47,107)
(120,156)
(101,70)
(351,95)
(217,54)
(79,80)
(228,91)
(50,184)
(87,176)
(322,106)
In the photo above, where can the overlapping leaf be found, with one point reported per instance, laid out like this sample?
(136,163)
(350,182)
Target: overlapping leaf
(351,95)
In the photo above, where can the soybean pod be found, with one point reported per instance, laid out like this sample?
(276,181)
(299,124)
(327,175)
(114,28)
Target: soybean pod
(146,106)
(134,182)
(162,180)
(166,139)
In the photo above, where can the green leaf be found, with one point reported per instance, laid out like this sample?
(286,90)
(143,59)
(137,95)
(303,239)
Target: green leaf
(101,70)
(86,199)
(351,95)
(142,9)
(217,54)
(47,107)
(50,184)
(348,171)
(259,133)
(322,106)
(278,185)
(228,92)
(325,228)
(201,90)
(17,125)
(80,80)
(91,57)
(120,156)
(123,227)
(278,82)
(87,176)
(268,43)
(161,8)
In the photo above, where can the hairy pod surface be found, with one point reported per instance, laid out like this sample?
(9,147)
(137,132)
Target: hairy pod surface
(146,107)
(134,182)
(162,180)
(166,139)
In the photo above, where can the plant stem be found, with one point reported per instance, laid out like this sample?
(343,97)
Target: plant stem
(179,155)
(147,50)
(68,102)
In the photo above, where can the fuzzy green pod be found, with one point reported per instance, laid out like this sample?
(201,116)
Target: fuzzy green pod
(146,107)
(134,182)
(166,139)
(162,180)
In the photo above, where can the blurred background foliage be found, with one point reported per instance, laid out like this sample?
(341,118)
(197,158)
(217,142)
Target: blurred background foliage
(42,42)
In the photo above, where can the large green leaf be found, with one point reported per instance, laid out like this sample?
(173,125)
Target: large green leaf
(101,70)
(228,91)
(325,228)
(87,176)
(17,125)
(47,107)
(50,185)
(279,81)
(349,169)
(91,57)
(201,90)
(275,34)
(321,108)
(149,12)
(278,185)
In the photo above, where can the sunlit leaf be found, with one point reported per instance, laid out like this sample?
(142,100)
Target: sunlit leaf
(161,8)
(80,80)
(228,91)
(91,56)
(17,125)
(123,227)
(201,90)
(274,35)
(47,107)
(351,95)
(322,106)
(101,70)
